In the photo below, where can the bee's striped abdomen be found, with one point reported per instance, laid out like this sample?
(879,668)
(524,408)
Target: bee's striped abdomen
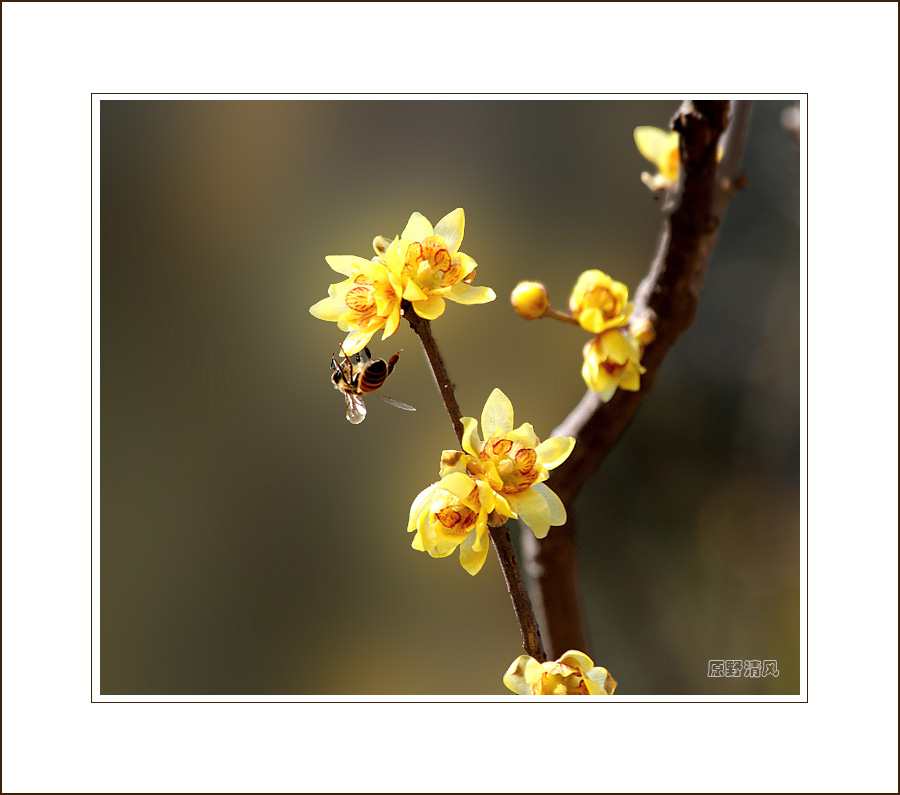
(373,376)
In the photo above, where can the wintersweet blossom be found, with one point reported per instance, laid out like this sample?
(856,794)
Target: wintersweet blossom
(423,266)
(573,674)
(660,147)
(514,463)
(599,302)
(366,301)
(453,513)
(433,267)
(612,360)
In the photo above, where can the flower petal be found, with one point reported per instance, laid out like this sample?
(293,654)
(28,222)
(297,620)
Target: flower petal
(430,308)
(599,682)
(533,510)
(497,414)
(442,549)
(425,538)
(471,442)
(591,319)
(392,322)
(417,228)
(472,559)
(554,504)
(654,143)
(618,346)
(357,340)
(524,434)
(459,484)
(453,461)
(552,452)
(502,506)
(412,292)
(577,659)
(329,309)
(463,293)
(521,673)
(598,380)
(482,535)
(451,227)
(347,264)
(420,504)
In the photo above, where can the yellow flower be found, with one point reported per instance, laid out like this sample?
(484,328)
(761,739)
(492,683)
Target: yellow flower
(612,360)
(573,674)
(515,462)
(530,300)
(434,268)
(454,513)
(366,301)
(600,302)
(660,147)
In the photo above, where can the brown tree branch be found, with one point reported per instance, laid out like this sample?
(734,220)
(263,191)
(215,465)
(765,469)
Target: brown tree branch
(506,553)
(667,297)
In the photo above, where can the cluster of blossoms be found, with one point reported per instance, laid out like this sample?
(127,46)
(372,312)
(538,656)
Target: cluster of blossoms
(502,476)
(612,360)
(486,483)
(423,266)
(573,674)
(599,304)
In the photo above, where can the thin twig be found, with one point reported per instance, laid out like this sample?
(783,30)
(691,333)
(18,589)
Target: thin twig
(667,297)
(515,584)
(566,318)
(506,553)
(423,330)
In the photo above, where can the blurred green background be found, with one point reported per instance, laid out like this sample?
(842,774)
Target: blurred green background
(254,542)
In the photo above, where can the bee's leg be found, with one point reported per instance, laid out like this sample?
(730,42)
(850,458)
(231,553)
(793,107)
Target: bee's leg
(340,367)
(393,361)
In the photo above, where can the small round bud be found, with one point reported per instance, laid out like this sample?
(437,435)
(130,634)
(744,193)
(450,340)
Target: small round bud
(642,330)
(530,300)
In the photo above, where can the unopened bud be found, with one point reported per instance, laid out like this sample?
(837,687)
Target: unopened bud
(642,330)
(530,300)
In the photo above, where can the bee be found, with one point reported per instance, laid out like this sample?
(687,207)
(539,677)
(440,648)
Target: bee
(363,375)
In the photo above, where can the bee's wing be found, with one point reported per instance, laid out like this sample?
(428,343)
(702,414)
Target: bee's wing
(397,403)
(356,409)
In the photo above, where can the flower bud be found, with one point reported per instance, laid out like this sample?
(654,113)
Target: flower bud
(642,330)
(530,300)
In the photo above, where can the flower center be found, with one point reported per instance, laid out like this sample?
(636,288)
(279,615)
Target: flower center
(614,370)
(431,264)
(561,680)
(516,464)
(361,299)
(456,520)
